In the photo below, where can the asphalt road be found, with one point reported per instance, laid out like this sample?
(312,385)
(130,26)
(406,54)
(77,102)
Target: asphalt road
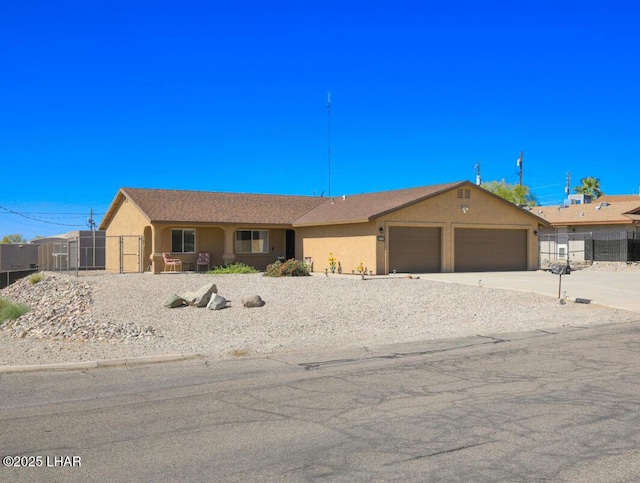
(538,406)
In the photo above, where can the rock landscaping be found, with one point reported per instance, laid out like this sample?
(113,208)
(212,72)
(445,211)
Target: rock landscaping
(108,316)
(62,308)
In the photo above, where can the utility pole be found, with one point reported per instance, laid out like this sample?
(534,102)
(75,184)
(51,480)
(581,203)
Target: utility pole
(567,188)
(519,164)
(90,222)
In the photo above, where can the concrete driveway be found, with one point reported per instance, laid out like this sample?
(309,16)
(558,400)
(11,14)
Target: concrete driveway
(620,290)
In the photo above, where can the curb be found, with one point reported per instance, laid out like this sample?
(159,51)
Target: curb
(73,366)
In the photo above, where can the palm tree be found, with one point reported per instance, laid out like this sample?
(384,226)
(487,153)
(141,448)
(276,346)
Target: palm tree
(590,186)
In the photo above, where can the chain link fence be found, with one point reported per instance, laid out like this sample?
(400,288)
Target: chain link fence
(84,253)
(588,247)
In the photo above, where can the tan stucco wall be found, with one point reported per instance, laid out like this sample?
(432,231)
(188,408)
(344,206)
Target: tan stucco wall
(127,221)
(350,244)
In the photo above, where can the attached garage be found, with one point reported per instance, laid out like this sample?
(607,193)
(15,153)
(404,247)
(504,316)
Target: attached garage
(490,250)
(415,249)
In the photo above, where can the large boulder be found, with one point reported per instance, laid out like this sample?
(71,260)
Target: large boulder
(201,297)
(174,301)
(217,302)
(252,301)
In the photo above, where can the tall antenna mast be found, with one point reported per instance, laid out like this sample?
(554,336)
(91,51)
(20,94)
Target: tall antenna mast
(329,137)
(567,188)
(478,178)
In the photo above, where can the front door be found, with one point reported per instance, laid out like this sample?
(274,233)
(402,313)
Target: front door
(290,244)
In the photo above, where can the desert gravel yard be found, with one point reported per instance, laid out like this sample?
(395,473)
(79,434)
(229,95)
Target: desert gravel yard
(103,316)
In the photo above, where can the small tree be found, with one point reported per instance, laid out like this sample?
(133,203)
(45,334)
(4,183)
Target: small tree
(590,186)
(13,238)
(520,195)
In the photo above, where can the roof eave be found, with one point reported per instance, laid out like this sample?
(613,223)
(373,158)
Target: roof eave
(591,222)
(329,223)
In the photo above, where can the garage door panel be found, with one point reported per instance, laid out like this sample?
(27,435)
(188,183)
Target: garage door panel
(415,249)
(486,250)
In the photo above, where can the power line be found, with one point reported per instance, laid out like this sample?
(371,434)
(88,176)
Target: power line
(83,213)
(24,215)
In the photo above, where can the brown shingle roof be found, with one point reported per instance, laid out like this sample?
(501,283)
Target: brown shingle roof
(363,207)
(178,206)
(606,210)
(217,207)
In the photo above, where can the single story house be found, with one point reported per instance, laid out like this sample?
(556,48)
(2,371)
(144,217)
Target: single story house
(440,228)
(586,230)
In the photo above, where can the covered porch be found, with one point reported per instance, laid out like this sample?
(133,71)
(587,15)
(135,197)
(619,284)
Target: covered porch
(257,246)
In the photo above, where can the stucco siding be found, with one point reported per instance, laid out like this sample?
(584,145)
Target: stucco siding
(130,222)
(350,244)
(479,210)
(211,240)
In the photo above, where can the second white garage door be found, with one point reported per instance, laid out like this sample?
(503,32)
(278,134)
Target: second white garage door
(486,250)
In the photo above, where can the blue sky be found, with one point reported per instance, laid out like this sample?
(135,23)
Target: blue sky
(232,96)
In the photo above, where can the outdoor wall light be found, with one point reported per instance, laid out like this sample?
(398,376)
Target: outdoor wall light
(381,230)
(465,208)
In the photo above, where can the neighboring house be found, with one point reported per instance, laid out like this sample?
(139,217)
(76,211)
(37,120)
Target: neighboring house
(18,256)
(582,230)
(441,228)
(17,260)
(80,249)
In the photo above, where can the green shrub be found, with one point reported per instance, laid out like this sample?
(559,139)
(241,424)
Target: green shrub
(36,277)
(290,268)
(11,311)
(237,267)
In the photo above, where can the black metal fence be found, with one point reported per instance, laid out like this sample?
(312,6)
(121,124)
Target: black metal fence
(589,247)
(10,276)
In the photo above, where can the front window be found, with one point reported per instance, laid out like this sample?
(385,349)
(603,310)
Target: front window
(183,241)
(252,241)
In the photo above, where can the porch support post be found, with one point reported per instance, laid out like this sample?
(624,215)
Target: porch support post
(156,251)
(228,256)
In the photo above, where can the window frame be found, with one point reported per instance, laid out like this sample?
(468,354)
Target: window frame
(237,245)
(182,240)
